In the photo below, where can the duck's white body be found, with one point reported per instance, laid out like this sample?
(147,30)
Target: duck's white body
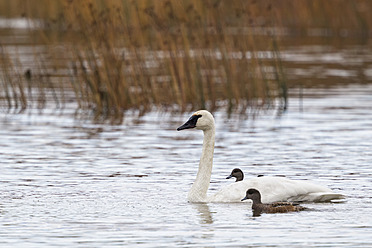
(272,189)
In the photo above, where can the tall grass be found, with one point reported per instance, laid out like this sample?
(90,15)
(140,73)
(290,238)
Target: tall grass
(180,55)
(13,90)
(141,54)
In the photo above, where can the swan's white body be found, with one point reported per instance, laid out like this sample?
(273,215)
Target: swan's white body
(272,189)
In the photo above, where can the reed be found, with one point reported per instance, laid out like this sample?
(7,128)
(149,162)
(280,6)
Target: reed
(13,89)
(177,55)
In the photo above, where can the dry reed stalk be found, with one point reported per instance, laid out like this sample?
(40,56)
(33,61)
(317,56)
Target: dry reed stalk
(12,84)
(188,53)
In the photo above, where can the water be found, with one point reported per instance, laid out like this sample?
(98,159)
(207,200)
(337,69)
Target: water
(71,183)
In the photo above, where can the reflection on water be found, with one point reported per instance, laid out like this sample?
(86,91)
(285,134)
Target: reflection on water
(70,182)
(204,213)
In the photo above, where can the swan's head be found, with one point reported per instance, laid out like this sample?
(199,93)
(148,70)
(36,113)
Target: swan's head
(237,173)
(201,119)
(253,194)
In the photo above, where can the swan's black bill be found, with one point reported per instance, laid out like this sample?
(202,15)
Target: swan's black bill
(191,123)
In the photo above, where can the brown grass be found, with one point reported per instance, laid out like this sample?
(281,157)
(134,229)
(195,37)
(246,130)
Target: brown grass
(178,55)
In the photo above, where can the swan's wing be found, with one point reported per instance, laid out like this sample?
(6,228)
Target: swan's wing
(317,197)
(275,189)
(283,189)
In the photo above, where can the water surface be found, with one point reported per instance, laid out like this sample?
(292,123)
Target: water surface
(66,182)
(72,183)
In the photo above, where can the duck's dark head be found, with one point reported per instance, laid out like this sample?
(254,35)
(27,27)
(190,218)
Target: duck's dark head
(237,173)
(201,119)
(254,195)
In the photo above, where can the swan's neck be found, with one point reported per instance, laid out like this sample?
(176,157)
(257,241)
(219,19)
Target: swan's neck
(198,191)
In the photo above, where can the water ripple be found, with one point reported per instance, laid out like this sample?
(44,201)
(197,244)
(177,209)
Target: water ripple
(79,184)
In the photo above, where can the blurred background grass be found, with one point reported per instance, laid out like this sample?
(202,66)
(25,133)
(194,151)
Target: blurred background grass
(173,55)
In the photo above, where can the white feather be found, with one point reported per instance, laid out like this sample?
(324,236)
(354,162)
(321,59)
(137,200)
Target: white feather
(275,189)
(272,189)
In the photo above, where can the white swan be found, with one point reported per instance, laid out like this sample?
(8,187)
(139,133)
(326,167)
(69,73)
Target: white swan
(272,188)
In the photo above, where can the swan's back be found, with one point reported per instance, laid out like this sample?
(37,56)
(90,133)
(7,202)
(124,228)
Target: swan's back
(275,189)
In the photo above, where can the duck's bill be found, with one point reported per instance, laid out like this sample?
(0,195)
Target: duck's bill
(229,177)
(245,198)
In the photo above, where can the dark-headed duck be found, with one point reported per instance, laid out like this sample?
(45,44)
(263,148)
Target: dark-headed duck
(237,173)
(276,207)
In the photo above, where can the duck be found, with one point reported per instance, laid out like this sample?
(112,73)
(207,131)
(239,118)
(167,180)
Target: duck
(237,173)
(272,188)
(276,207)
